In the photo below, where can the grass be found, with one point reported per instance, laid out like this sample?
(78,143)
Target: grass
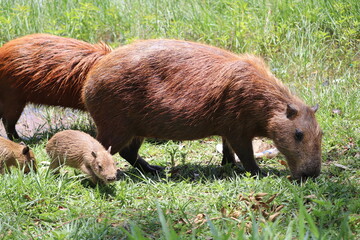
(313,46)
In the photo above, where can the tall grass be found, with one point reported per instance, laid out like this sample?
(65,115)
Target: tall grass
(259,25)
(313,46)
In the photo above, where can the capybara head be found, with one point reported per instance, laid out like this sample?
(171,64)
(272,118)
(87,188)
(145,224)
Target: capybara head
(297,135)
(103,165)
(27,159)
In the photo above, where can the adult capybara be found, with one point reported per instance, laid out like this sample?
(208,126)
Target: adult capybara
(181,90)
(16,155)
(81,151)
(43,69)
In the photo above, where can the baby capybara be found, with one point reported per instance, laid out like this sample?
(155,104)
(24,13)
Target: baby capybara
(181,90)
(43,69)
(16,155)
(81,151)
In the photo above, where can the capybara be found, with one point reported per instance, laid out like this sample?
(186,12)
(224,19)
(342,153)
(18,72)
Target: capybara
(179,90)
(81,151)
(16,155)
(43,69)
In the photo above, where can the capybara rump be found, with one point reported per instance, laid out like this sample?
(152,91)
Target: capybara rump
(181,90)
(43,69)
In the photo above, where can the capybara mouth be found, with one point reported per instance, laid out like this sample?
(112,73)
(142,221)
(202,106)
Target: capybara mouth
(110,179)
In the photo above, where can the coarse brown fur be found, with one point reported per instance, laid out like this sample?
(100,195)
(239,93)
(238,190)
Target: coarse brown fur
(43,69)
(181,90)
(16,155)
(81,151)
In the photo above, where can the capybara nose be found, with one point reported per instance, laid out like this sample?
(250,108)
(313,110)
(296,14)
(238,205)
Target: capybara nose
(111,179)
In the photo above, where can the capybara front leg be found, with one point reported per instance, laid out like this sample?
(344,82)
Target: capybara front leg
(228,153)
(130,154)
(243,148)
(90,173)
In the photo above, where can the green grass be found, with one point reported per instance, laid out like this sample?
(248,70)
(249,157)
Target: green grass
(313,46)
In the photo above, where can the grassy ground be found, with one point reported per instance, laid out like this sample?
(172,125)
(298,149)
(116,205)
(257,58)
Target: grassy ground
(313,46)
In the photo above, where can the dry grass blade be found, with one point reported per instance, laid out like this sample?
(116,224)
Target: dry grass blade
(274,216)
(199,218)
(271,198)
(223,212)
(279,208)
(259,196)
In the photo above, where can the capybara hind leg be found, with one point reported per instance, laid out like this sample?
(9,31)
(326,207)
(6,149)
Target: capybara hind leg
(243,148)
(11,114)
(228,154)
(130,154)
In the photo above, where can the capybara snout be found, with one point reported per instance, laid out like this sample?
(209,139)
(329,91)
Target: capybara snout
(16,155)
(81,151)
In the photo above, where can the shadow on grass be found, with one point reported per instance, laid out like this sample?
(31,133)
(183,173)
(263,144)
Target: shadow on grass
(197,172)
(106,191)
(71,175)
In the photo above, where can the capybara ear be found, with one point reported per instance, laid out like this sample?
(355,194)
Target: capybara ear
(109,150)
(25,150)
(315,108)
(291,111)
(93,154)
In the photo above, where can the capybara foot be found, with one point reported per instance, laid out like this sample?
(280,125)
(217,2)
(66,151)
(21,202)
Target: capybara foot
(261,173)
(145,167)
(157,168)
(256,172)
(13,136)
(151,168)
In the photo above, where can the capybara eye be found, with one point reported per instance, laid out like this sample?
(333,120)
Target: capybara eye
(100,167)
(299,135)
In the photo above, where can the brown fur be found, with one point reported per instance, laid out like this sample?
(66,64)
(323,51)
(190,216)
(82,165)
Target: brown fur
(43,69)
(81,151)
(181,90)
(16,155)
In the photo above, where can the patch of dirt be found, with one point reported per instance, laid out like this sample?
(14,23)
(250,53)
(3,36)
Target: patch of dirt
(36,119)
